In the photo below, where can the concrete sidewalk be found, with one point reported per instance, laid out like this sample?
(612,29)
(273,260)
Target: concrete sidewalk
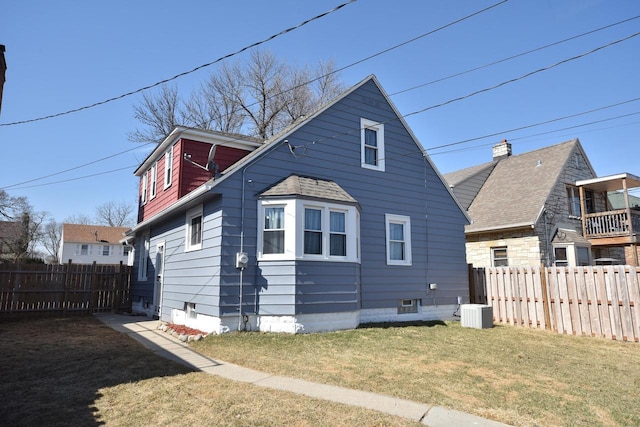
(146,331)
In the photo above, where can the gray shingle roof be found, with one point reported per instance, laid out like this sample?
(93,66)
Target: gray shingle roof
(517,189)
(315,188)
(456,177)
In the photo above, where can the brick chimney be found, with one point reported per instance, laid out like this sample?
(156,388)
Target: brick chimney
(501,150)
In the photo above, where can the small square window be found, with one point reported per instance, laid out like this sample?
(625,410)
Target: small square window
(408,306)
(499,257)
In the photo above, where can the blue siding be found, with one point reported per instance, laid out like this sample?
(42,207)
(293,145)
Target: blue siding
(409,186)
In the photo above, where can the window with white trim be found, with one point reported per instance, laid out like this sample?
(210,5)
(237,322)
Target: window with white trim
(143,197)
(193,239)
(372,144)
(106,250)
(143,261)
(398,231)
(168,167)
(499,257)
(83,249)
(154,180)
(299,229)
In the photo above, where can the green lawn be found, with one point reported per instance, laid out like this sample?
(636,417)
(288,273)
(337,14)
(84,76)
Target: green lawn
(514,375)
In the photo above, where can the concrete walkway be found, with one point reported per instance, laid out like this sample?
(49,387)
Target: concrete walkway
(146,331)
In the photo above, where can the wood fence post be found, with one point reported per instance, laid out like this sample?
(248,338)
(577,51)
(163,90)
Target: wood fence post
(117,285)
(472,284)
(546,301)
(67,283)
(92,286)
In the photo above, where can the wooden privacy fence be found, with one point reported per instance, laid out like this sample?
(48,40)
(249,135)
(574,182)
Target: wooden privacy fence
(64,289)
(598,301)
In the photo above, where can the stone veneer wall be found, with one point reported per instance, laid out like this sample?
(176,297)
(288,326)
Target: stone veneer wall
(522,248)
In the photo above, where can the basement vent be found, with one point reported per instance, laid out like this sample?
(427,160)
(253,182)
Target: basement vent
(477,316)
(408,306)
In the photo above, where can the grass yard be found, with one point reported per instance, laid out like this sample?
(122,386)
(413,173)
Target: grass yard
(78,372)
(518,376)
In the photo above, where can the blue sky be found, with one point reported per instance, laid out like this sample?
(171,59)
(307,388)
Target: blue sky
(68,54)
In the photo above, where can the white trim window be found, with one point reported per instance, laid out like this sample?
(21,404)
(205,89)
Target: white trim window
(398,237)
(143,197)
(168,167)
(193,238)
(499,256)
(154,180)
(372,145)
(83,249)
(106,250)
(298,229)
(143,261)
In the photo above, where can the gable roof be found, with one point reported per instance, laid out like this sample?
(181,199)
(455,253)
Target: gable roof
(457,177)
(278,139)
(80,233)
(515,192)
(308,187)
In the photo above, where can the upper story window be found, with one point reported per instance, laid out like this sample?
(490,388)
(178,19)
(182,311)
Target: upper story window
(194,229)
(499,257)
(168,167)
(299,229)
(83,249)
(398,230)
(106,250)
(143,261)
(372,144)
(154,180)
(573,197)
(143,195)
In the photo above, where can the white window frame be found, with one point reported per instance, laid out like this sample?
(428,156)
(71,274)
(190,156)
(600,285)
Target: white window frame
(143,260)
(406,223)
(191,214)
(493,257)
(145,178)
(79,249)
(168,167)
(108,247)
(294,226)
(379,129)
(154,181)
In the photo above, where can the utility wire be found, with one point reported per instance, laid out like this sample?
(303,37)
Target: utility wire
(533,125)
(77,178)
(513,56)
(290,89)
(258,43)
(74,168)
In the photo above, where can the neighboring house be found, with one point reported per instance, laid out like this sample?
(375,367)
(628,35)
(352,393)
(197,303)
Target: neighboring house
(340,219)
(527,209)
(86,244)
(10,232)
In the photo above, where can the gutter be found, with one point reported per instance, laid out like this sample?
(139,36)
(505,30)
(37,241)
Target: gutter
(499,228)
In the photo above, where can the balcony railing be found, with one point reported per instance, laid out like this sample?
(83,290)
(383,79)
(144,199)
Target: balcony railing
(612,223)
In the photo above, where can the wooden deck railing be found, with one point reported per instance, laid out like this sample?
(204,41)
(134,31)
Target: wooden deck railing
(611,223)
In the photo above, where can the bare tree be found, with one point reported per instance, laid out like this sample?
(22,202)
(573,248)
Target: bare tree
(52,234)
(159,114)
(21,228)
(115,214)
(259,99)
(79,219)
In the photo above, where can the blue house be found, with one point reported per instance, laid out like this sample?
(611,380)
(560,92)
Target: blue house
(339,220)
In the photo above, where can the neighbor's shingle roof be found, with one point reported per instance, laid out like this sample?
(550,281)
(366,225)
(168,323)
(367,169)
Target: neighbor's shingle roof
(295,185)
(92,233)
(456,177)
(517,189)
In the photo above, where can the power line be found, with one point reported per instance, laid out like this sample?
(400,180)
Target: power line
(534,125)
(229,55)
(73,168)
(513,56)
(77,178)
(290,89)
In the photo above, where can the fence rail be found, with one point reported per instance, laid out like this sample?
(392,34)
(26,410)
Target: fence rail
(64,289)
(598,301)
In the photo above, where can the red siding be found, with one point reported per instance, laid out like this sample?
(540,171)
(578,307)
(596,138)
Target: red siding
(186,177)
